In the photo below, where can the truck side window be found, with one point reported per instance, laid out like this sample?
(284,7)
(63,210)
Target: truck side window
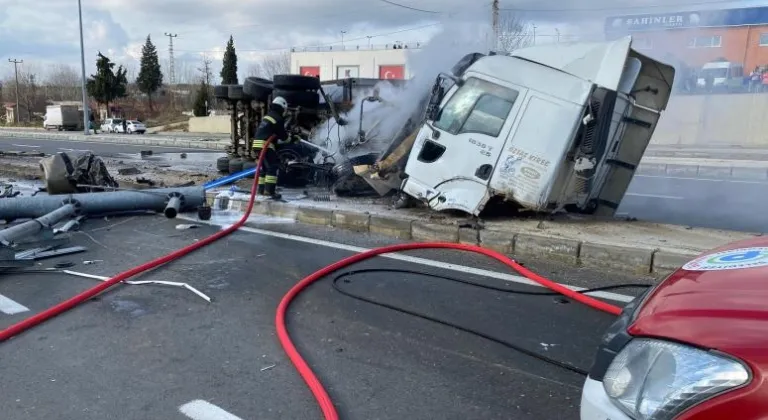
(477,107)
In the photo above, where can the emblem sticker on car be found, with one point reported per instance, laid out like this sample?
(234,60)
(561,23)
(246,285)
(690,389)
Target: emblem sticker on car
(733,259)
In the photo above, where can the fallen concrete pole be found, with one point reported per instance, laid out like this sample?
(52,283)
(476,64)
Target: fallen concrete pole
(14,233)
(153,199)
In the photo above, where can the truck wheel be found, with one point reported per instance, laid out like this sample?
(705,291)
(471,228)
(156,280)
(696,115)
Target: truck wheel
(257,88)
(235,92)
(249,164)
(303,99)
(221,92)
(222,164)
(235,165)
(295,82)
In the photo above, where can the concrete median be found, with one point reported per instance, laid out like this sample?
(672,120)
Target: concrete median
(648,249)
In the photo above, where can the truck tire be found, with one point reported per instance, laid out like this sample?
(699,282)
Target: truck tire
(295,82)
(257,88)
(222,164)
(347,182)
(235,165)
(235,92)
(304,99)
(221,91)
(249,164)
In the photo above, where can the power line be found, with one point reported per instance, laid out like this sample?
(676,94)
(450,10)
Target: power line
(603,9)
(326,44)
(411,8)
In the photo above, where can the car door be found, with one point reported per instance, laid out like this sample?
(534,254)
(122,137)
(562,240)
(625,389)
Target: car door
(454,157)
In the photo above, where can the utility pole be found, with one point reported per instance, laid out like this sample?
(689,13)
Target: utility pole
(86,119)
(172,75)
(495,19)
(342,39)
(369,41)
(557,31)
(534,34)
(16,70)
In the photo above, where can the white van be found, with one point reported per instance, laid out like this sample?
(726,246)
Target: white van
(721,72)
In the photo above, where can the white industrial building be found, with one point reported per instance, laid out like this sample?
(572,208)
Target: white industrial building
(333,63)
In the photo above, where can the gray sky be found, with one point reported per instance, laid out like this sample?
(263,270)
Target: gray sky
(43,32)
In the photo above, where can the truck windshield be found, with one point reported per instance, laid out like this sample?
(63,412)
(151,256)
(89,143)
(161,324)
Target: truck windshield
(478,106)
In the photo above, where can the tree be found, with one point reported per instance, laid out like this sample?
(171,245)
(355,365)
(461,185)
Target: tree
(270,65)
(200,108)
(29,92)
(514,33)
(229,66)
(63,83)
(150,75)
(107,85)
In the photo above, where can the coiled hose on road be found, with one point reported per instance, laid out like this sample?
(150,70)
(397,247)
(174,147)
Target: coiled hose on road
(319,392)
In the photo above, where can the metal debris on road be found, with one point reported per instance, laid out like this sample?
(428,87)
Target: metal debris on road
(142,282)
(129,171)
(90,262)
(186,226)
(265,368)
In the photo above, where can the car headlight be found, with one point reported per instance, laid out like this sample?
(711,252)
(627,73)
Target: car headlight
(657,380)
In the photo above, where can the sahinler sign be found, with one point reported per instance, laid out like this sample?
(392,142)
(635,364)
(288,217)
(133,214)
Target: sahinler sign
(666,20)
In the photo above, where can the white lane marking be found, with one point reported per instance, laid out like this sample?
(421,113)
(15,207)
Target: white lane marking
(735,181)
(25,145)
(421,261)
(10,307)
(665,197)
(203,410)
(73,150)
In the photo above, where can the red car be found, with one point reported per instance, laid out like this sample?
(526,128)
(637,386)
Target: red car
(695,347)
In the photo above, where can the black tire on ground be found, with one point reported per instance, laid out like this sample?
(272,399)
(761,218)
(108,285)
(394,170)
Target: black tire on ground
(295,82)
(222,164)
(257,88)
(299,98)
(221,91)
(347,182)
(248,164)
(236,92)
(235,165)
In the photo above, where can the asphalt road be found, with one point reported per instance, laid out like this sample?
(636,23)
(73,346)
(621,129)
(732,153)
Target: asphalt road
(102,149)
(698,202)
(150,352)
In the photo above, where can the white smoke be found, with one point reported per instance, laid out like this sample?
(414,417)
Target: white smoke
(384,120)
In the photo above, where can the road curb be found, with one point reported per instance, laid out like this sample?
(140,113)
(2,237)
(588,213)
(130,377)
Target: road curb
(180,142)
(622,258)
(727,172)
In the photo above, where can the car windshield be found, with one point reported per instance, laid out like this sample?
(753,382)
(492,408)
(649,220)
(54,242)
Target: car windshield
(134,122)
(117,121)
(715,73)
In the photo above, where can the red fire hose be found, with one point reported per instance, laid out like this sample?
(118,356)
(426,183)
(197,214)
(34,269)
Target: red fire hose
(320,394)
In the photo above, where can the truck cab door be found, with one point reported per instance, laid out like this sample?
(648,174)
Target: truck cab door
(454,156)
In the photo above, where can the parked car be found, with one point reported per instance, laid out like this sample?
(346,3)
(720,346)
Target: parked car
(691,348)
(136,127)
(112,125)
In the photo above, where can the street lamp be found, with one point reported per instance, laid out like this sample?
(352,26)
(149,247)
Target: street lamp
(369,41)
(557,31)
(82,69)
(342,39)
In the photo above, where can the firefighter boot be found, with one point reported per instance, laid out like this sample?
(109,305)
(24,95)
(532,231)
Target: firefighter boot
(262,186)
(271,193)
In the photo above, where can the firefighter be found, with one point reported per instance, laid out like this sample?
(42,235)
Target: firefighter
(273,124)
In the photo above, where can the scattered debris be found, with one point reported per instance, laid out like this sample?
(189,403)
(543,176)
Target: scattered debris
(145,181)
(183,155)
(186,184)
(186,226)
(129,171)
(265,368)
(204,212)
(39,253)
(62,174)
(143,282)
(64,264)
(90,262)
(144,153)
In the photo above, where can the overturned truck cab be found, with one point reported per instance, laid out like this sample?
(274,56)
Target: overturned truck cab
(550,128)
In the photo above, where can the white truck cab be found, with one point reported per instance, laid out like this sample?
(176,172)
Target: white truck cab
(549,127)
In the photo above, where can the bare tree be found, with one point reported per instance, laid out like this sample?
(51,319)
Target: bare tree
(270,65)
(30,92)
(62,83)
(514,33)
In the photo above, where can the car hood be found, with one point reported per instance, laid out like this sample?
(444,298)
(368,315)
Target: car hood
(717,301)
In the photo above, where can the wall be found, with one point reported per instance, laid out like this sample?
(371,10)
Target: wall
(714,120)
(368,61)
(214,124)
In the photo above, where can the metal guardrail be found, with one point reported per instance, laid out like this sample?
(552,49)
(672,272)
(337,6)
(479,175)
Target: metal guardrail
(374,47)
